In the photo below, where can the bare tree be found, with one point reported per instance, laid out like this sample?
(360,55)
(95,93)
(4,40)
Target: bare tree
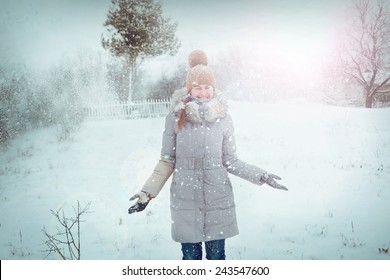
(366,56)
(72,232)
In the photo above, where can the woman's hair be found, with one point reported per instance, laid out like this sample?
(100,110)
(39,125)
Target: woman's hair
(182,113)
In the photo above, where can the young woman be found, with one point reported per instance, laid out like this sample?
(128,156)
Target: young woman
(199,148)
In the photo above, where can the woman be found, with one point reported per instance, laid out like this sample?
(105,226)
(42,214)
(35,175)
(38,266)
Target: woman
(199,148)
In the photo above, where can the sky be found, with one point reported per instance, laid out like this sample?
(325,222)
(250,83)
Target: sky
(41,32)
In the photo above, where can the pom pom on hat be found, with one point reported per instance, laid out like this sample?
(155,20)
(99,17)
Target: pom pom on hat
(197,57)
(199,72)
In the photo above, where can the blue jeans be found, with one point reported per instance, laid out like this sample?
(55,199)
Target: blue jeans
(215,250)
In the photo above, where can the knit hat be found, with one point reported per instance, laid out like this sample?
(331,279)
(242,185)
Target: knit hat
(199,73)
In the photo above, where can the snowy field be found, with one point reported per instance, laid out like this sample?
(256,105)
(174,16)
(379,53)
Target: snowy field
(335,162)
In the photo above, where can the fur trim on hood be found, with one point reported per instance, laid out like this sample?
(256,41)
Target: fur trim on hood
(199,110)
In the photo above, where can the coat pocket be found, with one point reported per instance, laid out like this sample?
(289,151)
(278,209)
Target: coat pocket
(218,189)
(183,191)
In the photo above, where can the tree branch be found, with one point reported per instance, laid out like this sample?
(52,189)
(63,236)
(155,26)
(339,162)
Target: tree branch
(54,244)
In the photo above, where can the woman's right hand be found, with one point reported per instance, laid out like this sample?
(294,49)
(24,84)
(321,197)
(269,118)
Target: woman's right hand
(143,201)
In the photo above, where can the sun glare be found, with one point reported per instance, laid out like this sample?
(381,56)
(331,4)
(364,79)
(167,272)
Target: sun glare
(296,54)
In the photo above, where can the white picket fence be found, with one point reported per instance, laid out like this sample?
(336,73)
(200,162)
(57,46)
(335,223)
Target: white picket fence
(128,110)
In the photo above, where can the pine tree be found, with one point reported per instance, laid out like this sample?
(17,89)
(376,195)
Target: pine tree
(137,29)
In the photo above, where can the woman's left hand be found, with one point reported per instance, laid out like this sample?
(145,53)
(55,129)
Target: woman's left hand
(269,179)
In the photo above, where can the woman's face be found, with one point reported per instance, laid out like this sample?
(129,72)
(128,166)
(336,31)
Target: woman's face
(202,91)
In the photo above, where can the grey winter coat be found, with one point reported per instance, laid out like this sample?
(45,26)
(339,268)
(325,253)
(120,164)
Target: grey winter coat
(202,153)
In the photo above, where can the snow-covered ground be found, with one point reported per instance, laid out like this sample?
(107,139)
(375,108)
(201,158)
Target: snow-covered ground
(335,162)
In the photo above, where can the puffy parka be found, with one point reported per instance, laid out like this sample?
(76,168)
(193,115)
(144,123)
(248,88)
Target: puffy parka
(200,155)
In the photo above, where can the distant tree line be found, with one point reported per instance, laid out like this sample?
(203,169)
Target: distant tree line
(31,101)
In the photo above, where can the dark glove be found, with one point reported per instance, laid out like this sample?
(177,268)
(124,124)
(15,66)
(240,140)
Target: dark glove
(269,179)
(143,201)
